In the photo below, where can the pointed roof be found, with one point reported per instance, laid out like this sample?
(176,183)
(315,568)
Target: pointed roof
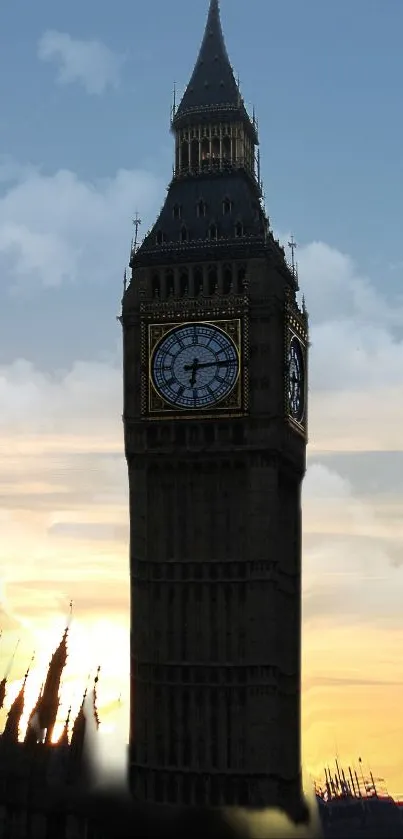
(64,737)
(49,703)
(94,699)
(212,86)
(11,729)
(78,731)
(34,731)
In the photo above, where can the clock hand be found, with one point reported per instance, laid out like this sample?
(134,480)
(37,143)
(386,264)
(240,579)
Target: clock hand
(196,366)
(204,364)
(214,364)
(193,367)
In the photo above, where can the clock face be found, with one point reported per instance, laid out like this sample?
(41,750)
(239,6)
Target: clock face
(296,379)
(195,366)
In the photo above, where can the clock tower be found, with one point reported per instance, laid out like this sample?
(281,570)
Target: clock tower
(215,412)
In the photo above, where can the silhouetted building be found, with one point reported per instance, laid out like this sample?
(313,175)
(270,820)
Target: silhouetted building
(39,779)
(215,412)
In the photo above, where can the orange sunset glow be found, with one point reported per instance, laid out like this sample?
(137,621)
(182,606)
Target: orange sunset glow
(65,536)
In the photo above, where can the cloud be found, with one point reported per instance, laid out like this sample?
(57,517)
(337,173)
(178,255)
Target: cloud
(56,229)
(370,473)
(87,531)
(356,354)
(90,62)
(351,548)
(337,292)
(34,402)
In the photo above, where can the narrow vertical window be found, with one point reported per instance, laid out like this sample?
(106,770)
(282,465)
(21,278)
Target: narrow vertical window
(227,279)
(212,280)
(170,284)
(185,154)
(156,286)
(239,229)
(201,209)
(184,283)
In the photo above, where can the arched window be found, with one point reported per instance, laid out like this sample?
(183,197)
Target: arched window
(212,280)
(226,148)
(205,152)
(184,282)
(184,234)
(177,211)
(201,208)
(239,229)
(226,206)
(161,238)
(185,154)
(194,154)
(241,276)
(156,285)
(198,281)
(205,148)
(213,231)
(215,148)
(169,283)
(227,279)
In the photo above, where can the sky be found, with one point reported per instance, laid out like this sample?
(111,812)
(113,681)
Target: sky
(86,91)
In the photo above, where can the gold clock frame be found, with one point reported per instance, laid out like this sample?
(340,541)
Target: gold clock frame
(236,404)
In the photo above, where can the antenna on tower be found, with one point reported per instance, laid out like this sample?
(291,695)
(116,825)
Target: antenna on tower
(136,225)
(173,112)
(293,245)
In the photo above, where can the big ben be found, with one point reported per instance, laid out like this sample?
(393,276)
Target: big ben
(215,422)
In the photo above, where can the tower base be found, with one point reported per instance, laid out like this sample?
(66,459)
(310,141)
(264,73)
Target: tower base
(171,790)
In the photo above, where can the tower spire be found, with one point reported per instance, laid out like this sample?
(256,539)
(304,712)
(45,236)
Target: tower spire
(11,729)
(213,84)
(95,698)
(48,703)
(64,737)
